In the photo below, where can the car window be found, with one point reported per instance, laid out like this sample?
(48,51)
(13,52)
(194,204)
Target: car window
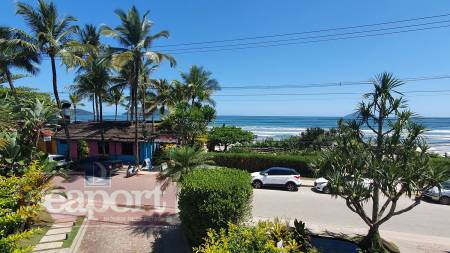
(58,158)
(274,172)
(446,185)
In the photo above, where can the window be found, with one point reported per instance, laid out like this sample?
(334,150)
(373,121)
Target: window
(281,172)
(275,172)
(100,147)
(127,148)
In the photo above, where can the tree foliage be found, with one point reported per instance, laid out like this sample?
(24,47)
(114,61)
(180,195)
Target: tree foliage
(227,135)
(189,122)
(395,159)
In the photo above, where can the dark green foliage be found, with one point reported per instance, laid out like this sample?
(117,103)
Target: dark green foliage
(189,122)
(257,161)
(226,135)
(312,139)
(210,198)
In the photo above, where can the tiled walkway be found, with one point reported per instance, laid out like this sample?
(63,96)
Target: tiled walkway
(123,215)
(52,241)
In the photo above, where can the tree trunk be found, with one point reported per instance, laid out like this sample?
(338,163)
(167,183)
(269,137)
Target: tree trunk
(102,134)
(115,114)
(75,112)
(136,82)
(11,85)
(58,103)
(96,107)
(93,108)
(372,242)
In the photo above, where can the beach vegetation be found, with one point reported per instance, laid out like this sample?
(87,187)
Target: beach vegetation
(189,122)
(226,136)
(395,160)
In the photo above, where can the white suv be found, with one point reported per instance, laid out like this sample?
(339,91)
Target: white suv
(442,195)
(278,177)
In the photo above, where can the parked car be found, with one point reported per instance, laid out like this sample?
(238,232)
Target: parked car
(60,160)
(442,195)
(321,184)
(277,177)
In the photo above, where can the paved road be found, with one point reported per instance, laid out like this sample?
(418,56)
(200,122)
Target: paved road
(424,229)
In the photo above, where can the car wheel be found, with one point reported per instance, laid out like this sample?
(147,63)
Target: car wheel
(326,190)
(291,187)
(444,200)
(257,184)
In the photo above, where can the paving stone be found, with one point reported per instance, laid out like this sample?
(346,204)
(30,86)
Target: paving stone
(53,238)
(62,225)
(65,219)
(62,250)
(58,231)
(50,245)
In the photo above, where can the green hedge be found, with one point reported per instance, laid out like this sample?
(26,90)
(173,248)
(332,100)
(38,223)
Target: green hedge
(253,162)
(210,198)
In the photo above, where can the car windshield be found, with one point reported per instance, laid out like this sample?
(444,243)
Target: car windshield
(58,158)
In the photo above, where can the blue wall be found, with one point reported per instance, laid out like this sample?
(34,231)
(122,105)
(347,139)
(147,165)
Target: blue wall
(61,148)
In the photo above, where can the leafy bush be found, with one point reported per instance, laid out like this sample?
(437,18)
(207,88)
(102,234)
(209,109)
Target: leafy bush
(20,199)
(257,161)
(270,237)
(228,135)
(210,198)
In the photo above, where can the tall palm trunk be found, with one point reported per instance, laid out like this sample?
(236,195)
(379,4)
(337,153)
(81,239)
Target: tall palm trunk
(11,85)
(93,108)
(136,82)
(58,103)
(102,130)
(96,107)
(115,113)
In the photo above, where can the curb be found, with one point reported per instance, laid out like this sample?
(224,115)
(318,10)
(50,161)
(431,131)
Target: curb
(77,241)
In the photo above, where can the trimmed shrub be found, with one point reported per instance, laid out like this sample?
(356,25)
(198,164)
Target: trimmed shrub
(210,198)
(253,162)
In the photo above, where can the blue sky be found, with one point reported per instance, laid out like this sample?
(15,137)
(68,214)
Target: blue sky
(424,53)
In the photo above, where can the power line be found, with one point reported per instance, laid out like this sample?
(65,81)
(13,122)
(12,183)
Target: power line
(321,94)
(306,38)
(274,43)
(305,32)
(330,84)
(312,41)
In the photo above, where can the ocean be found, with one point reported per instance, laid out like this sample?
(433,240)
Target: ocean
(278,127)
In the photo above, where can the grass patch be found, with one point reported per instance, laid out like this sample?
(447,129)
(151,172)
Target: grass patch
(73,233)
(41,224)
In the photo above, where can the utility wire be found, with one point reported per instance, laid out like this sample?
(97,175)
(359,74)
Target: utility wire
(310,42)
(306,38)
(305,32)
(321,93)
(284,42)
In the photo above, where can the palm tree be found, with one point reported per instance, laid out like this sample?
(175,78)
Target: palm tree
(181,161)
(17,50)
(95,79)
(53,35)
(115,98)
(200,85)
(134,35)
(75,100)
